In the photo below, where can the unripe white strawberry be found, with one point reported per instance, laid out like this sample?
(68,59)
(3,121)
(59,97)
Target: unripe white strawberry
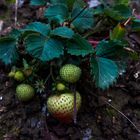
(61,106)
(70,73)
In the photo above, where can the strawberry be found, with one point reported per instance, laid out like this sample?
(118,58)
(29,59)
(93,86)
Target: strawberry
(60,86)
(70,73)
(24,92)
(19,76)
(61,106)
(11,74)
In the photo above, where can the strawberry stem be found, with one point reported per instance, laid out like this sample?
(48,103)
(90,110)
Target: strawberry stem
(51,72)
(75,108)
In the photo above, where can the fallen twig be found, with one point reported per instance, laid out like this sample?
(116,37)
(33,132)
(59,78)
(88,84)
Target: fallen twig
(16,12)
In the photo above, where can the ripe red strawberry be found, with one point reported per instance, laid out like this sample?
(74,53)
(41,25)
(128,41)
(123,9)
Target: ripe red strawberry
(70,73)
(25,92)
(61,106)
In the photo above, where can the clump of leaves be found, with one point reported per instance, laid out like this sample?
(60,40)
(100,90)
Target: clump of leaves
(64,35)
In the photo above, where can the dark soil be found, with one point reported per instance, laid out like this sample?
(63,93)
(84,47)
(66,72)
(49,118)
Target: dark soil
(97,120)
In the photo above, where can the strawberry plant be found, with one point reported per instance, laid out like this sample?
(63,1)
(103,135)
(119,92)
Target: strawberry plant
(63,40)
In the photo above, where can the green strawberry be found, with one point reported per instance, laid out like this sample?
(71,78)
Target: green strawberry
(19,76)
(70,73)
(25,92)
(60,86)
(61,106)
(11,74)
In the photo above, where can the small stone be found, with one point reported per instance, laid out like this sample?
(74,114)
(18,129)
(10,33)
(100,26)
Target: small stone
(1,98)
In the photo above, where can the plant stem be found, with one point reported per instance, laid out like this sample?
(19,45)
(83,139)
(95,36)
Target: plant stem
(16,11)
(75,108)
(97,28)
(47,78)
(123,115)
(51,73)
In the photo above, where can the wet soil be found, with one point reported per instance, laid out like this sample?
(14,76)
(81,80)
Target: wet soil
(98,119)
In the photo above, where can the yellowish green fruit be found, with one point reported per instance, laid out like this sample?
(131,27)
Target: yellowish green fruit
(60,87)
(25,92)
(19,76)
(61,106)
(70,73)
(11,74)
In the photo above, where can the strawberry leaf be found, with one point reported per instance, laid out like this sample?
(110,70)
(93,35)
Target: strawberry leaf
(118,32)
(104,72)
(124,2)
(84,20)
(57,1)
(15,33)
(109,49)
(42,48)
(136,25)
(69,3)
(57,13)
(37,2)
(64,32)
(39,27)
(119,12)
(8,50)
(79,46)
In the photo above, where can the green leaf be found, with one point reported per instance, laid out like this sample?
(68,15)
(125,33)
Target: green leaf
(58,13)
(8,50)
(42,48)
(79,46)
(119,12)
(98,10)
(37,2)
(118,32)
(57,1)
(104,71)
(124,2)
(69,3)
(64,32)
(109,49)
(15,33)
(136,25)
(84,20)
(39,27)
(79,3)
